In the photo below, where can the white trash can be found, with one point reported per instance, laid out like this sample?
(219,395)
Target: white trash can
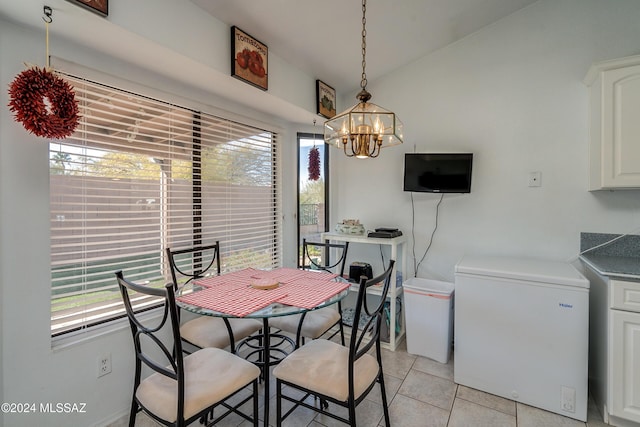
(429,317)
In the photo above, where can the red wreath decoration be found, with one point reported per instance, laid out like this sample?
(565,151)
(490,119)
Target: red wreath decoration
(314,164)
(44,103)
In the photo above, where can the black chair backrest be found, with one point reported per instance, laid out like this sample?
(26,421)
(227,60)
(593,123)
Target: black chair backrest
(193,263)
(310,262)
(373,317)
(147,339)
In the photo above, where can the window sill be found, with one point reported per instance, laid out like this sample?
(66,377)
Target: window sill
(73,339)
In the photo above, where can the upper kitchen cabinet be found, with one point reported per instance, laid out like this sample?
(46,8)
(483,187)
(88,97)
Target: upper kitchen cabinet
(614,148)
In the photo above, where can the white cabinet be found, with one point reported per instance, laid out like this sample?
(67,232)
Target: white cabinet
(397,247)
(614,348)
(614,148)
(625,365)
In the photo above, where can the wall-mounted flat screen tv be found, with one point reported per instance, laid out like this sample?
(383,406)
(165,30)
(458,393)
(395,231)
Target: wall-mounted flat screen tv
(438,172)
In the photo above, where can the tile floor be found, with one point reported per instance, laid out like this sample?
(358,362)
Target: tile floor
(421,393)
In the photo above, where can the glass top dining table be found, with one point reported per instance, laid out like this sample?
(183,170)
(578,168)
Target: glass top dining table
(187,299)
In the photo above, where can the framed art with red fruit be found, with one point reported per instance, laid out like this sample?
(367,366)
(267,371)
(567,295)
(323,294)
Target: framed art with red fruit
(99,6)
(249,59)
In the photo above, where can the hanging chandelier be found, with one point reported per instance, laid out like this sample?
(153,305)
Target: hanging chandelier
(362,130)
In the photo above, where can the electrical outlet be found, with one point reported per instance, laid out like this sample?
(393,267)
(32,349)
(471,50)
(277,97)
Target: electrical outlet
(104,365)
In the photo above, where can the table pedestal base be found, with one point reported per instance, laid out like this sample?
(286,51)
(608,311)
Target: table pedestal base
(265,350)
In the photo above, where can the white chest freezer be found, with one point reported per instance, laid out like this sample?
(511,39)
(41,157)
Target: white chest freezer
(521,331)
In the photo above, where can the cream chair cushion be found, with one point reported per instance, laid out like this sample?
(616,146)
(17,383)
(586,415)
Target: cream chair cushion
(323,366)
(315,323)
(211,374)
(208,331)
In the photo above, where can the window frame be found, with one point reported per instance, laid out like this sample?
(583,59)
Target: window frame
(325,168)
(275,197)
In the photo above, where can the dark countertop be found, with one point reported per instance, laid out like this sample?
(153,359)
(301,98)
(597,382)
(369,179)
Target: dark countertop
(622,267)
(612,255)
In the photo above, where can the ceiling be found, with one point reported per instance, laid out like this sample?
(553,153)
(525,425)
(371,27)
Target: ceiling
(323,38)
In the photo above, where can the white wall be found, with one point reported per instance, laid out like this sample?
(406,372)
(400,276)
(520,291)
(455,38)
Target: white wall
(513,95)
(33,371)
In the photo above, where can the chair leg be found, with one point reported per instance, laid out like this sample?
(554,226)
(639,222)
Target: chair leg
(385,407)
(278,403)
(352,413)
(208,417)
(133,413)
(255,403)
(341,332)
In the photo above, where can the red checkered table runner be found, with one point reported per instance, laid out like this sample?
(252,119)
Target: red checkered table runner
(232,293)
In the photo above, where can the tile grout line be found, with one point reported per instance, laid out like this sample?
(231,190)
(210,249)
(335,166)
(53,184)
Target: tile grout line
(455,396)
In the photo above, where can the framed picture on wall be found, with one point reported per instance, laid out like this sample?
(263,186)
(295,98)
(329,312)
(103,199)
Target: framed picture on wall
(99,6)
(325,100)
(249,59)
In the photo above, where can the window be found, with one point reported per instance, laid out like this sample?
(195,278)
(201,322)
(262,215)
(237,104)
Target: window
(313,209)
(140,175)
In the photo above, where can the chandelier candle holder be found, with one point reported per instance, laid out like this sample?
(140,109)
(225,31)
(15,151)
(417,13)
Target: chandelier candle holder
(362,130)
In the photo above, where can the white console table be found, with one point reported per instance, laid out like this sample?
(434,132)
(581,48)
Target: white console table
(395,289)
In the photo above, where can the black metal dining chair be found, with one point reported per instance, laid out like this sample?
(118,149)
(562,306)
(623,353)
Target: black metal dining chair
(198,262)
(182,389)
(335,373)
(314,324)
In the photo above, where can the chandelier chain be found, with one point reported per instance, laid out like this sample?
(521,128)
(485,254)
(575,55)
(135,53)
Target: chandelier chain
(363,82)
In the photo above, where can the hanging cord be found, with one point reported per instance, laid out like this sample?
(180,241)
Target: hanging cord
(314,133)
(47,18)
(416,266)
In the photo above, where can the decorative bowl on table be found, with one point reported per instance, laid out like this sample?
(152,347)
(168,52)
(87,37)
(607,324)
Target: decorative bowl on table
(350,226)
(264,284)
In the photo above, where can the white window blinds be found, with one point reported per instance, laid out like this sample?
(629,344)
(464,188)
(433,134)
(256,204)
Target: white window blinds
(140,175)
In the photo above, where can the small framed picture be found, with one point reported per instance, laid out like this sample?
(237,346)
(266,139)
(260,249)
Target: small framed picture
(99,6)
(249,59)
(325,99)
